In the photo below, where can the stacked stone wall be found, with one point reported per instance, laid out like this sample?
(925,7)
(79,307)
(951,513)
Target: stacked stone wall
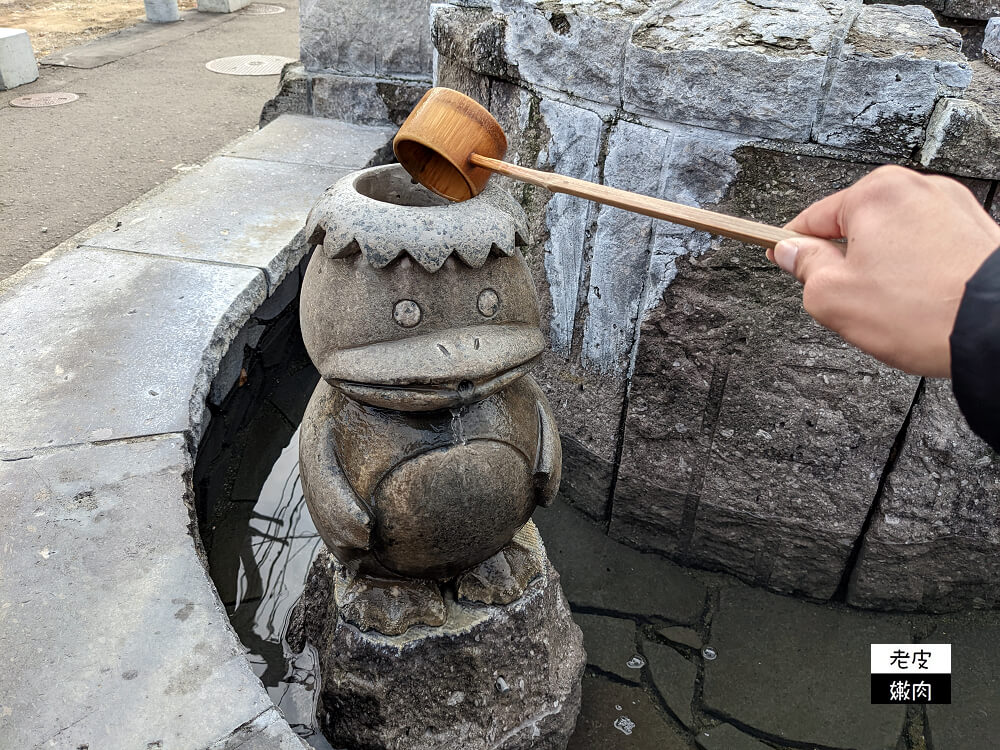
(362,62)
(704,415)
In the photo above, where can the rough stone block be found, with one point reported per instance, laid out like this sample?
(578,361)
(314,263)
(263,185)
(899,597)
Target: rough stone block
(574,47)
(389,38)
(17,59)
(222,6)
(976,9)
(622,247)
(588,411)
(587,477)
(750,68)
(245,212)
(571,47)
(493,676)
(574,141)
(111,607)
(934,544)
(292,96)
(365,101)
(333,42)
(991,43)
(895,64)
(742,449)
(587,404)
(472,38)
(315,141)
(404,46)
(963,136)
(472,84)
(764,639)
(126,344)
(634,258)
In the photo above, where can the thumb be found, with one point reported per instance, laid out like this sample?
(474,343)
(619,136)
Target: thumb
(804,256)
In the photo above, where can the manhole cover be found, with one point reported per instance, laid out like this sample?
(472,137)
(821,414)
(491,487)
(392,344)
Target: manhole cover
(249,65)
(262,9)
(44,100)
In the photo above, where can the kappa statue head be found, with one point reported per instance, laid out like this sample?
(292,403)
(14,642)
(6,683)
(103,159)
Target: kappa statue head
(416,303)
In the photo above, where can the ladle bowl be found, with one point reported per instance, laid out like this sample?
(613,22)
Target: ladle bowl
(441,133)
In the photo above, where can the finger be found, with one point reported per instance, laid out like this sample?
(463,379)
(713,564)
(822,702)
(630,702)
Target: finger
(821,219)
(803,257)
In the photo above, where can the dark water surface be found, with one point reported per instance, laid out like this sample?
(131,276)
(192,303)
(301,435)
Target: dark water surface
(274,555)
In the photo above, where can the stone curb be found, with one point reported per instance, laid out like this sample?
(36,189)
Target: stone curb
(116,339)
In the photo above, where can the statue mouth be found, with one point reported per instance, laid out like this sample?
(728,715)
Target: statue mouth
(437,370)
(427,397)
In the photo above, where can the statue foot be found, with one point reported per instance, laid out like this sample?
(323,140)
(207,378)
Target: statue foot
(388,605)
(503,578)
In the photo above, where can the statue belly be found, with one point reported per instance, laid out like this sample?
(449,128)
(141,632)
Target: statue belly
(444,511)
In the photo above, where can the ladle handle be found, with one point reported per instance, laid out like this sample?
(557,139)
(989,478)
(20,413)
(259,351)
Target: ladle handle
(744,230)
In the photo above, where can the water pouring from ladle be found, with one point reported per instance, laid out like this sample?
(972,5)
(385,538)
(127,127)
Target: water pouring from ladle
(451,145)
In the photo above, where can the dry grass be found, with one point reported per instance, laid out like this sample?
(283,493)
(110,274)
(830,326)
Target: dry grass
(55,24)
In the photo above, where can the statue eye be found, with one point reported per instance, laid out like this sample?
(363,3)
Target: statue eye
(407,313)
(488,303)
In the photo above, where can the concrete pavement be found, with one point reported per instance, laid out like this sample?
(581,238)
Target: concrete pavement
(142,117)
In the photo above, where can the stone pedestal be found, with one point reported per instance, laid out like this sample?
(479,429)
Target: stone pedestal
(491,678)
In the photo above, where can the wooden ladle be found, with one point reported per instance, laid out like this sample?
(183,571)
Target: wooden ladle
(451,145)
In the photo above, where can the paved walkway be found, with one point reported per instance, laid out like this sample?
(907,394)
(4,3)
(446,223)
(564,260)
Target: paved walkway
(148,109)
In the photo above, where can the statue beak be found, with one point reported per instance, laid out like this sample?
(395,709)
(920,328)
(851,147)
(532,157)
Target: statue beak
(439,369)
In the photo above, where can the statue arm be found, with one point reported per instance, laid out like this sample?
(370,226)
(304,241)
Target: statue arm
(548,466)
(339,514)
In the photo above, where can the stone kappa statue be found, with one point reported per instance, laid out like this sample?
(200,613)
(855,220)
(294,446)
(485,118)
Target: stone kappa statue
(426,445)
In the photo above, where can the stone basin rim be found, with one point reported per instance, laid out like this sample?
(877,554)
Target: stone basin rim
(146,456)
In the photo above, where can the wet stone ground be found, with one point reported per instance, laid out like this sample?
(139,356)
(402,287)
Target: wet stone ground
(677,659)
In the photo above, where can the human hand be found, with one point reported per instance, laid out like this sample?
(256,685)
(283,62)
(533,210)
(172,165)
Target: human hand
(893,290)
